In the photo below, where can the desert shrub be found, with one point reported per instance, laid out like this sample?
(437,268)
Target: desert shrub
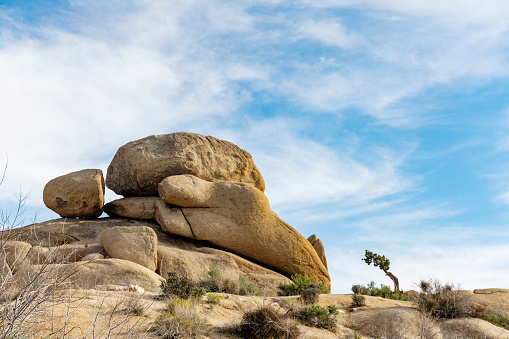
(383,291)
(299,283)
(180,286)
(178,320)
(214,298)
(358,300)
(216,282)
(133,305)
(360,289)
(311,294)
(247,287)
(443,300)
(266,323)
(321,317)
(496,320)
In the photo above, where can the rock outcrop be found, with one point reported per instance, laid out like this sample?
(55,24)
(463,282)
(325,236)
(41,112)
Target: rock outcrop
(76,195)
(195,187)
(139,166)
(238,218)
(318,246)
(174,253)
(136,244)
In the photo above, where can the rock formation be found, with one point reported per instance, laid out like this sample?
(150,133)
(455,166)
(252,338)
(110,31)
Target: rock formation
(77,194)
(191,202)
(237,217)
(139,166)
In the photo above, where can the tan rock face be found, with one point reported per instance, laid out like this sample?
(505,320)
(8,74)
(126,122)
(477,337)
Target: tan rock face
(196,261)
(140,165)
(77,194)
(136,244)
(318,246)
(174,253)
(140,208)
(238,218)
(89,274)
(14,252)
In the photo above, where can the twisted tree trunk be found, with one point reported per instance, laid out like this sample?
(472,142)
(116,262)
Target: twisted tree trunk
(394,280)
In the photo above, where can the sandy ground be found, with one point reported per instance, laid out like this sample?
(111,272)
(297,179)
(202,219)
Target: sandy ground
(102,314)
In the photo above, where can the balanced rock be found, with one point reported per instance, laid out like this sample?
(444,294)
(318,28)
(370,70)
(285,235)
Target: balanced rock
(139,208)
(77,194)
(139,166)
(136,244)
(318,246)
(237,217)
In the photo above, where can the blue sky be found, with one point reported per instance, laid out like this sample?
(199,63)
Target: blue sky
(376,125)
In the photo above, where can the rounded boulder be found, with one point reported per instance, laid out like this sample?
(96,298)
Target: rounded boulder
(139,166)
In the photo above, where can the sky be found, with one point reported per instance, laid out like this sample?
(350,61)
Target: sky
(378,125)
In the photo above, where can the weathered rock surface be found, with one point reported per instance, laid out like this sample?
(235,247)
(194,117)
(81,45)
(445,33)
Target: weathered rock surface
(318,246)
(196,262)
(77,194)
(14,252)
(89,274)
(237,217)
(136,244)
(185,255)
(139,166)
(92,256)
(140,208)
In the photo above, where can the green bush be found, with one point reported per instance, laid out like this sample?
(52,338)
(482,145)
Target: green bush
(299,283)
(383,291)
(498,321)
(321,317)
(214,298)
(178,321)
(267,323)
(247,287)
(180,286)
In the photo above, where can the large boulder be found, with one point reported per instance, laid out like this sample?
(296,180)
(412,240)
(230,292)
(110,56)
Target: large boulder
(139,166)
(140,208)
(237,217)
(76,195)
(136,244)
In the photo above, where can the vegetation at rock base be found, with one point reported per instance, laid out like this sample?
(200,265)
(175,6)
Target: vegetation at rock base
(218,283)
(383,291)
(181,286)
(443,300)
(318,316)
(358,300)
(383,263)
(178,320)
(298,284)
(266,323)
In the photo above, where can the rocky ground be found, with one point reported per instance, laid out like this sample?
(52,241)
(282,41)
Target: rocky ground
(102,314)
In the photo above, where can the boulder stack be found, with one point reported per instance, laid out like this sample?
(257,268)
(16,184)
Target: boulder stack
(196,187)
